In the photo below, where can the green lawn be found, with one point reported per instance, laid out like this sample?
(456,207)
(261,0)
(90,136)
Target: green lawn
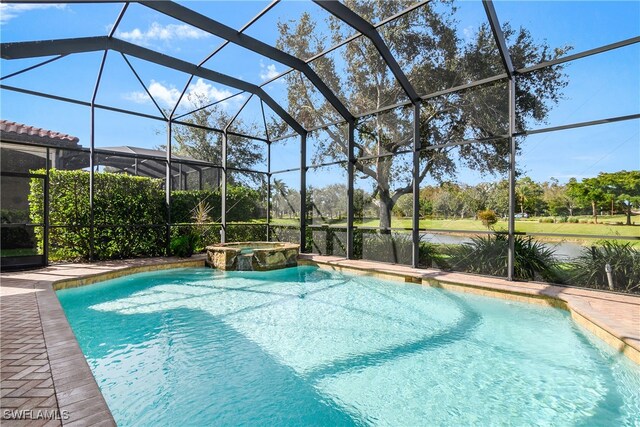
(530,225)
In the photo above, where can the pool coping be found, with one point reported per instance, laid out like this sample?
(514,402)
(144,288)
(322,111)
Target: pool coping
(614,318)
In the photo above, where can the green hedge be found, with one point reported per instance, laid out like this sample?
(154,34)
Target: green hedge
(119,200)
(246,232)
(16,237)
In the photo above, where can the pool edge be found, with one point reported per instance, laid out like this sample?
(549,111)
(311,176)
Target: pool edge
(75,282)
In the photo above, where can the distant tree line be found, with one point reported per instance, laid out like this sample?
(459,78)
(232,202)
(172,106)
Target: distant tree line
(608,193)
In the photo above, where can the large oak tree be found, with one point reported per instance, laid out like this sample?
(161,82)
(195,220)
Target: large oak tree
(435,56)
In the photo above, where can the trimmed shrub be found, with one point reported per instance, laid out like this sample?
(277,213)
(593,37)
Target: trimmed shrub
(242,204)
(16,237)
(246,232)
(546,220)
(488,218)
(183,245)
(125,210)
(589,268)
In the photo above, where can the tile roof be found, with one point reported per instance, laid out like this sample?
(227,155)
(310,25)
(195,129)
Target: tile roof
(18,132)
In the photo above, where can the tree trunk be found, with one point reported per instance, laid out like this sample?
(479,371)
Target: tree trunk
(386,206)
(629,214)
(611,207)
(594,210)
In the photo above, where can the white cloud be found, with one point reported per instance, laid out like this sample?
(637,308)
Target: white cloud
(268,71)
(137,97)
(10,11)
(167,96)
(164,33)
(469,33)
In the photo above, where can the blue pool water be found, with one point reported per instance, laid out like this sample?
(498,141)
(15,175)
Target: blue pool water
(303,346)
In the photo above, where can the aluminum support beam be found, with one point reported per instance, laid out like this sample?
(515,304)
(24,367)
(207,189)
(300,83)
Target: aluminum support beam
(114,28)
(167,188)
(45,241)
(268,191)
(34,49)
(303,193)
(79,102)
(580,55)
(33,67)
(135,73)
(218,29)
(351,164)
(498,35)
(415,223)
(223,191)
(91,44)
(505,55)
(511,254)
(186,67)
(361,25)
(92,155)
(351,38)
(211,55)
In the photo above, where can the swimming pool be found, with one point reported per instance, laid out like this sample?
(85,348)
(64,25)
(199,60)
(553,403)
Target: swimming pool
(304,346)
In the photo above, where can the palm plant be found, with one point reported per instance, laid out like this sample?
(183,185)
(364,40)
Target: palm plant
(488,255)
(589,268)
(201,215)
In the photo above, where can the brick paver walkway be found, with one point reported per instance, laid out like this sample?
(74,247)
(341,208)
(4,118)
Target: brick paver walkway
(25,372)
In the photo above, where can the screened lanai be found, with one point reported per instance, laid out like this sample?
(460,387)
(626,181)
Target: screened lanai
(407,132)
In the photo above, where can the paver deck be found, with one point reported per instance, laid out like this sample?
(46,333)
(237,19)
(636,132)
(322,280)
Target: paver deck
(45,379)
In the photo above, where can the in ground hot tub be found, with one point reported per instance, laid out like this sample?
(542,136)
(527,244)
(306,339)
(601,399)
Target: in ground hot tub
(253,256)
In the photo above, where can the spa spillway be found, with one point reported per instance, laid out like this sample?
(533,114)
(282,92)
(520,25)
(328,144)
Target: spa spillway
(253,256)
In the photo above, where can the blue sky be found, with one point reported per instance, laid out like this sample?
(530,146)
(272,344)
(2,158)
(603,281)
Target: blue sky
(600,86)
